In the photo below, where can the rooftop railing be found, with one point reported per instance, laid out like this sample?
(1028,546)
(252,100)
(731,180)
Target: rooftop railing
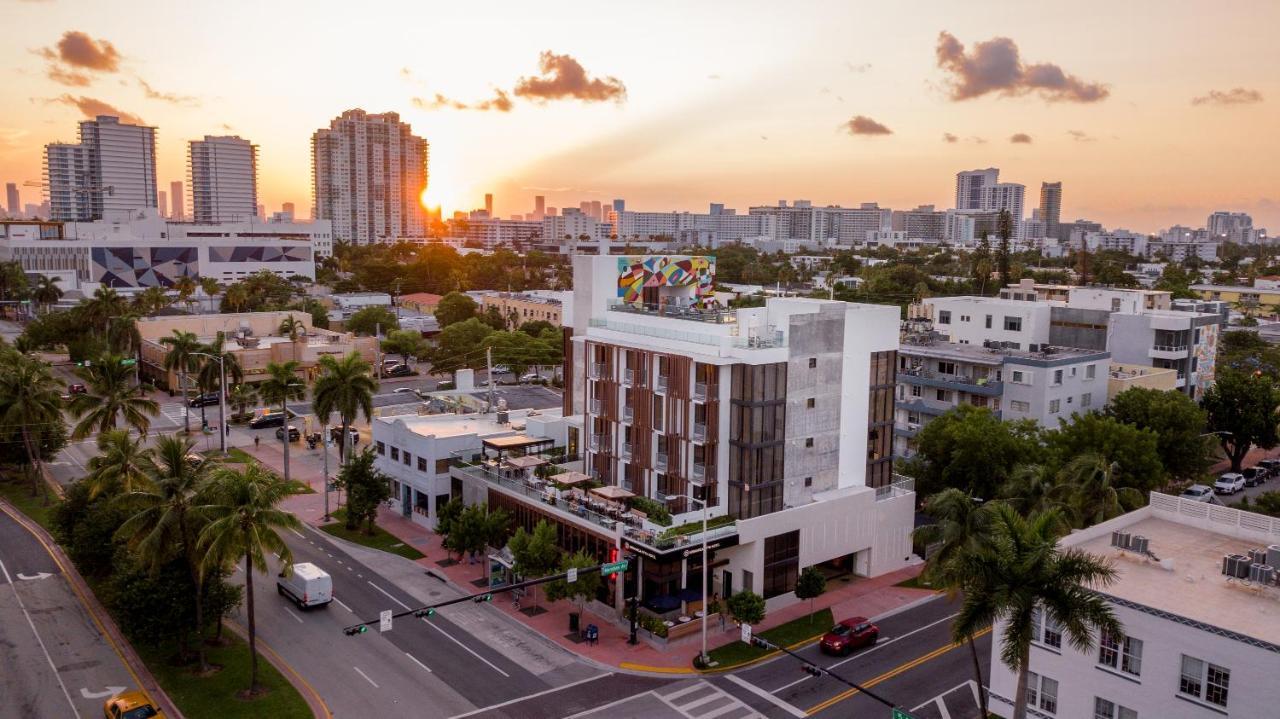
(900,486)
(676,311)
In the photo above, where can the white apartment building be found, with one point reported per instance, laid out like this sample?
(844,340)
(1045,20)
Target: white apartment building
(1133,243)
(368,175)
(222,172)
(1179,251)
(1230,226)
(923,223)
(1195,642)
(572,225)
(966,228)
(970,185)
(979,321)
(492,233)
(112,170)
(710,229)
(1006,197)
(846,226)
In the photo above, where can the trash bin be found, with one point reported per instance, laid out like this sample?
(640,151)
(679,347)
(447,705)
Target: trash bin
(573,621)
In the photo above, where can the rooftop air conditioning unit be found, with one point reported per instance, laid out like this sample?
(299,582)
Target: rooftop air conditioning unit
(1235,566)
(1139,544)
(1262,573)
(1258,556)
(1120,539)
(1273,555)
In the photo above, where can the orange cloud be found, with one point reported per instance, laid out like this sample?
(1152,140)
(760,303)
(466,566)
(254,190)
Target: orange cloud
(564,78)
(863,125)
(92,107)
(949,138)
(1020,138)
(77,49)
(500,102)
(996,66)
(154,94)
(1234,96)
(70,78)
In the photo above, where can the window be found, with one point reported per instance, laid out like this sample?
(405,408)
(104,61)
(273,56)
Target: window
(1086,399)
(1018,405)
(1055,405)
(1013,324)
(408,458)
(1018,376)
(422,464)
(381,448)
(395,453)
(442,466)
(947,367)
(808,441)
(944,317)
(1090,371)
(1045,629)
(781,563)
(1115,304)
(943,395)
(811,403)
(808,481)
(1203,680)
(917,390)
(964,318)
(813,362)
(1042,692)
(1107,709)
(1057,377)
(988,321)
(1123,653)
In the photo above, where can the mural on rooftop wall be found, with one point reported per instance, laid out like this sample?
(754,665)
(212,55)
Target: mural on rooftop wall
(637,273)
(1206,354)
(143,266)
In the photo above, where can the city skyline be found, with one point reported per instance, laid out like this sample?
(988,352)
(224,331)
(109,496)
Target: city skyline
(842,115)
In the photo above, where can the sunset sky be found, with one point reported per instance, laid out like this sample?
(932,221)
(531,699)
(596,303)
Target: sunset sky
(1150,113)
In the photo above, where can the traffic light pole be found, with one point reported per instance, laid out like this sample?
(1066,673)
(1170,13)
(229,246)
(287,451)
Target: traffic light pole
(816,671)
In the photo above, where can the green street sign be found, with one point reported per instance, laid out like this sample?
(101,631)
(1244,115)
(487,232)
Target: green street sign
(901,714)
(613,567)
(128,362)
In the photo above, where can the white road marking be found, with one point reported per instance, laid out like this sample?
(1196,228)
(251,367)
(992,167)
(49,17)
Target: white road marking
(788,708)
(941,704)
(388,594)
(300,534)
(464,646)
(39,640)
(415,661)
(350,568)
(84,692)
(295,616)
(366,677)
(343,604)
(33,577)
(509,702)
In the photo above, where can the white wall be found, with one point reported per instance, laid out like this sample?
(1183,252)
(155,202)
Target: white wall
(1034,315)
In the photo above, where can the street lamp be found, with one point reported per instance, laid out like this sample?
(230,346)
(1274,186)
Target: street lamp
(706,613)
(222,397)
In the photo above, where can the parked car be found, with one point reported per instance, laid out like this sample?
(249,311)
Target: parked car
(1272,467)
(269,419)
(444,384)
(1198,493)
(77,388)
(335,434)
(530,377)
(208,399)
(131,705)
(1229,483)
(1253,476)
(399,370)
(307,585)
(849,635)
(294,434)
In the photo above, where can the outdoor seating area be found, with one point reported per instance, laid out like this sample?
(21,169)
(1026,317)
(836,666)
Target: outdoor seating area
(604,502)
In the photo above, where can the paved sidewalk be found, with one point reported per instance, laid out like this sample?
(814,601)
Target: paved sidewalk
(846,597)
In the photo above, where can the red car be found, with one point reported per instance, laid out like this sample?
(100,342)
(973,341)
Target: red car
(849,635)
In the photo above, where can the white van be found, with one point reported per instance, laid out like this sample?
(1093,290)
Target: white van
(307,585)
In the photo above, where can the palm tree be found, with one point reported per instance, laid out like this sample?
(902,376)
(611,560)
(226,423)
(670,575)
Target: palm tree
(30,404)
(1087,487)
(169,517)
(123,463)
(242,396)
(105,304)
(236,297)
(345,386)
(151,300)
(180,356)
(281,385)
(46,291)
(185,286)
(292,327)
(1031,488)
(123,336)
(112,396)
(960,525)
(210,287)
(1020,570)
(209,378)
(244,523)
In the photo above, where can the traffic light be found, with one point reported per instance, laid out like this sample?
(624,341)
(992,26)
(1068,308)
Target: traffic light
(422,613)
(811,669)
(352,631)
(483,598)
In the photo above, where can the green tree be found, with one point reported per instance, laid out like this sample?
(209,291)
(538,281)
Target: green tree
(181,357)
(1018,571)
(810,585)
(455,307)
(406,343)
(185,286)
(1089,492)
(345,386)
(242,397)
(46,292)
(492,316)
(369,320)
(30,409)
(1134,451)
(210,375)
(535,328)
(245,520)
(584,589)
(111,397)
(292,327)
(969,448)
(1005,232)
(535,553)
(1179,425)
(1031,488)
(168,518)
(447,516)
(746,607)
(459,346)
(123,464)
(99,309)
(281,385)
(86,527)
(1242,407)
(153,605)
(367,489)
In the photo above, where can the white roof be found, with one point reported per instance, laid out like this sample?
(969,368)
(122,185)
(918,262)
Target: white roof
(308,571)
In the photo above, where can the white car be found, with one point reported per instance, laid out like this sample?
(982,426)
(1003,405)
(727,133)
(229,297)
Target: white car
(530,377)
(307,585)
(1198,493)
(1229,483)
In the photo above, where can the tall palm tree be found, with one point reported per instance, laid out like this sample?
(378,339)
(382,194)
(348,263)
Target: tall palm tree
(244,520)
(960,525)
(46,291)
(236,297)
(292,327)
(210,374)
(1019,570)
(112,396)
(123,336)
(30,405)
(281,385)
(180,357)
(105,304)
(169,516)
(123,463)
(345,386)
(186,287)
(210,287)
(1087,487)
(241,397)
(151,300)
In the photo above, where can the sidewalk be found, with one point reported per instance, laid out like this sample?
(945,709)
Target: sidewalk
(845,597)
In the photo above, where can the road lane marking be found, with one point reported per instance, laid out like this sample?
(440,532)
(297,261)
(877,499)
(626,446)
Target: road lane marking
(39,639)
(388,594)
(300,534)
(424,666)
(84,692)
(961,685)
(464,646)
(535,695)
(366,677)
(788,708)
(295,616)
(343,604)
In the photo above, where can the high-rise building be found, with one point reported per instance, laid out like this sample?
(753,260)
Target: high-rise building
(1051,207)
(175,196)
(288,209)
(12,199)
(488,203)
(595,211)
(619,205)
(1006,197)
(112,170)
(368,174)
(969,186)
(262,212)
(539,207)
(223,176)
(1231,226)
(922,223)
(163,204)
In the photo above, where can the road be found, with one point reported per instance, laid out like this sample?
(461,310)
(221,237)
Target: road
(56,661)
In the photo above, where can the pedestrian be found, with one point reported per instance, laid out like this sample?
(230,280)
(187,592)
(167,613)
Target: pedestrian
(256,441)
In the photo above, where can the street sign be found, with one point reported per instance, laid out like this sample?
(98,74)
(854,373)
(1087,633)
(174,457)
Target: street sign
(385,621)
(128,362)
(573,575)
(901,714)
(746,633)
(613,567)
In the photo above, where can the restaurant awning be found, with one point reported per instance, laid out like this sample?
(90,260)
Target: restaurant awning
(514,441)
(570,478)
(612,492)
(525,462)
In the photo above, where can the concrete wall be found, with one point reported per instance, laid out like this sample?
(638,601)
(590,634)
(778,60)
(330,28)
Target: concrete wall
(1061,335)
(818,336)
(1041,389)
(1034,316)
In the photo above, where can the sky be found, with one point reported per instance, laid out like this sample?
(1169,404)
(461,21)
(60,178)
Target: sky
(1149,113)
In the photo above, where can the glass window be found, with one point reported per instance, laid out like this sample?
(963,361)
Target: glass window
(1203,680)
(943,395)
(944,317)
(442,466)
(422,464)
(781,563)
(916,390)
(808,441)
(1054,406)
(1018,405)
(395,453)
(381,448)
(1013,324)
(1057,377)
(988,321)
(408,458)
(811,403)
(1090,371)
(813,362)
(1086,399)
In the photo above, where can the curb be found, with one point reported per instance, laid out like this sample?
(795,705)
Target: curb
(319,709)
(98,613)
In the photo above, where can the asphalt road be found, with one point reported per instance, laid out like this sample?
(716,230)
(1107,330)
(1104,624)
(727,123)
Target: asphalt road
(55,662)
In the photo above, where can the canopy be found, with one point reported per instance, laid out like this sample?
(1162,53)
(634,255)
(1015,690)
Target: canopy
(525,462)
(570,478)
(612,492)
(514,441)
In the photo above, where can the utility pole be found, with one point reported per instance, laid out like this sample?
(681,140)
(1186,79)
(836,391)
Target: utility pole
(488,360)
(324,447)
(377,335)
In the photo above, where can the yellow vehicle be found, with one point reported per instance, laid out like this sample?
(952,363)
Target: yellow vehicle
(131,705)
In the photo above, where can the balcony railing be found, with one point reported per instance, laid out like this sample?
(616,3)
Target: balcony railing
(952,378)
(597,406)
(660,383)
(1170,348)
(699,472)
(628,413)
(595,442)
(699,431)
(628,377)
(597,371)
(900,486)
(660,461)
(700,391)
(542,496)
(656,541)
(627,449)
(765,340)
(674,311)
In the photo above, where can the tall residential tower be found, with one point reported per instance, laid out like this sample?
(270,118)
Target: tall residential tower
(1051,207)
(111,170)
(223,174)
(970,184)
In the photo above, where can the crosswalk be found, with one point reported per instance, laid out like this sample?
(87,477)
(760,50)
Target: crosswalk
(174,411)
(699,699)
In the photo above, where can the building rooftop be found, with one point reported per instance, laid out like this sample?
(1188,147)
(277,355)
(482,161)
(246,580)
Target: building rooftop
(1190,539)
(1231,288)
(993,356)
(461,425)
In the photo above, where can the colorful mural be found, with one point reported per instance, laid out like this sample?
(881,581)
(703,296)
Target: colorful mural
(1206,355)
(143,266)
(637,273)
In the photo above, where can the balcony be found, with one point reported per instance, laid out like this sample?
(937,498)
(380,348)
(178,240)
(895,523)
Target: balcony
(660,462)
(628,413)
(700,391)
(1171,352)
(627,449)
(628,377)
(925,377)
(699,472)
(667,540)
(541,496)
(597,370)
(597,406)
(660,384)
(595,442)
(675,311)
(699,432)
(901,486)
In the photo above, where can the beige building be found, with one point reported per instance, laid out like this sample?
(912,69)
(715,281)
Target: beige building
(1124,376)
(254,338)
(525,307)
